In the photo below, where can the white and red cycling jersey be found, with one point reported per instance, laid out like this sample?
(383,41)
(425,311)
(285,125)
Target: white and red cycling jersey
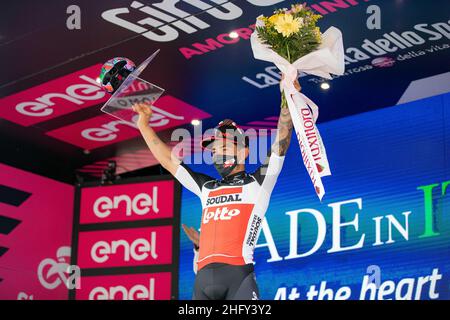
(232,210)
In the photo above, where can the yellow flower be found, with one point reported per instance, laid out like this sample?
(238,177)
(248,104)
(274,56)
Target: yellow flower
(274,18)
(287,25)
(318,34)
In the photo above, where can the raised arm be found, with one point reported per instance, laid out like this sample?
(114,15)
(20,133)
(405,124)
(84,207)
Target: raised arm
(284,129)
(159,149)
(284,133)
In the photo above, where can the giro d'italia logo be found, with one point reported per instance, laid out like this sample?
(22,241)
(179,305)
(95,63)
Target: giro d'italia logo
(55,272)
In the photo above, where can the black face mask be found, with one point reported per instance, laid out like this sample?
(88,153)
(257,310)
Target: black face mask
(225,164)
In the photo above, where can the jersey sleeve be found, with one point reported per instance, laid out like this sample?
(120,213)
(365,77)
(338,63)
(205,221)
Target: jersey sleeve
(191,180)
(267,174)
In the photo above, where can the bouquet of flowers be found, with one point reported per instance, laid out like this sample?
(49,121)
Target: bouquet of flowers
(291,33)
(291,39)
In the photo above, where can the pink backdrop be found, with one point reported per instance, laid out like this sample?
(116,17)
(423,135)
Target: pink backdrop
(40,242)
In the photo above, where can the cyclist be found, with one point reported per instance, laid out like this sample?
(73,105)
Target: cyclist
(233,206)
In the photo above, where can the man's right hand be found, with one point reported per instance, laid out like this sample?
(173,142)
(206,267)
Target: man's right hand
(145,113)
(192,234)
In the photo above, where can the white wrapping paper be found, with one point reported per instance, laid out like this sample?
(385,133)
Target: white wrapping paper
(326,60)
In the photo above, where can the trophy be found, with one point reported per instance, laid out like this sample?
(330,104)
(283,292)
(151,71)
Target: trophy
(120,77)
